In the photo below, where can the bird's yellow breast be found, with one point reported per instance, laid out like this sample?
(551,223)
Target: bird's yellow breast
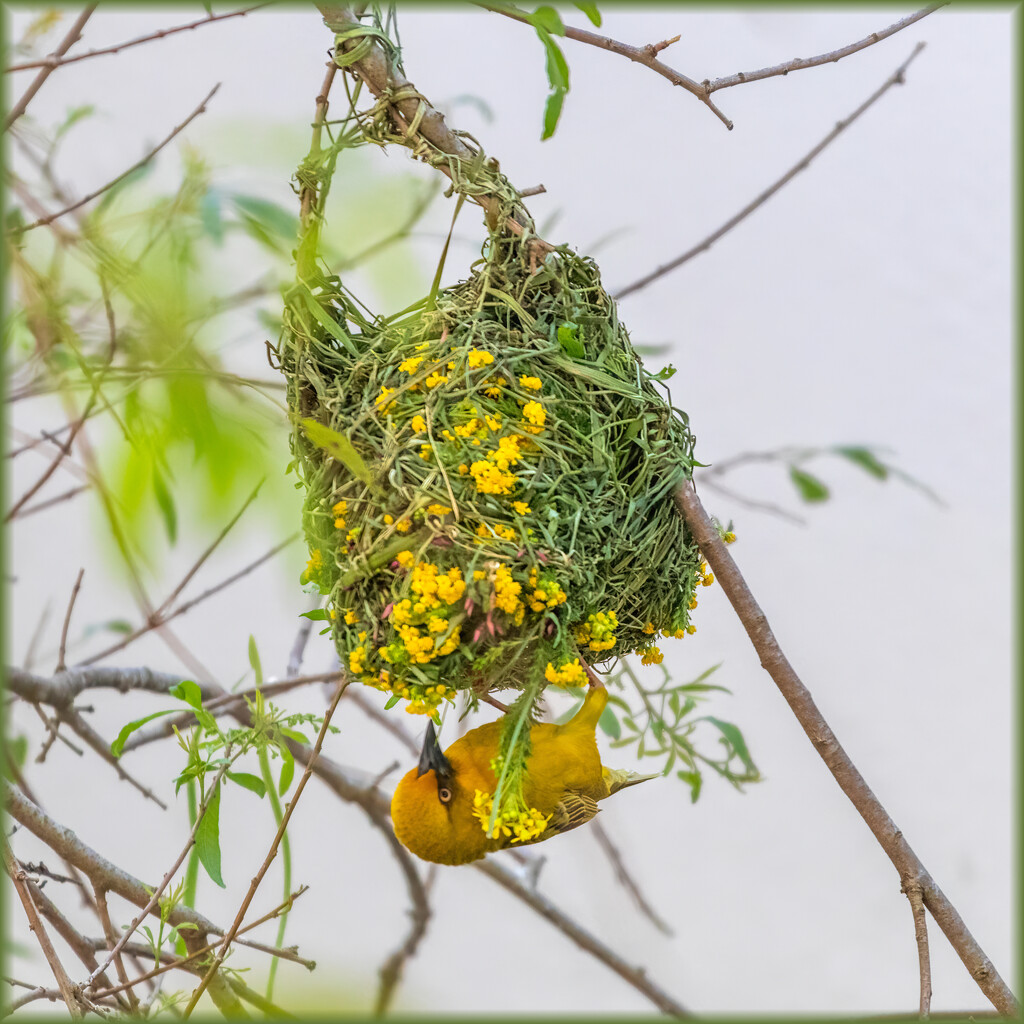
(562,758)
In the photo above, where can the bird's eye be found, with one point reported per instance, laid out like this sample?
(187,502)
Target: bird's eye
(444,794)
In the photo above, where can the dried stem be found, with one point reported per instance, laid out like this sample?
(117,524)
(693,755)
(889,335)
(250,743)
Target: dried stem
(896,78)
(801,63)
(824,740)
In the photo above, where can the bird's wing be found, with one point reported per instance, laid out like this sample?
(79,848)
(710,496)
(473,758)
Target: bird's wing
(573,810)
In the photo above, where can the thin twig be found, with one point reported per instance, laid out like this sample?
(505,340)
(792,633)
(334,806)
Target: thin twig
(67,990)
(50,218)
(801,63)
(625,879)
(271,854)
(171,872)
(65,450)
(896,78)
(159,621)
(646,55)
(52,62)
(197,565)
(752,503)
(93,739)
(67,621)
(915,895)
(111,936)
(74,34)
(824,740)
(39,506)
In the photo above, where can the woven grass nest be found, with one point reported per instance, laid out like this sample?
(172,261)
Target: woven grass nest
(488,481)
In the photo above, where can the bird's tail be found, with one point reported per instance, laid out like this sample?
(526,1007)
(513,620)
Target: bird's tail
(585,720)
(616,779)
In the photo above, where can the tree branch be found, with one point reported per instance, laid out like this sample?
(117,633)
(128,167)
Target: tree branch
(67,990)
(801,63)
(915,895)
(50,218)
(896,78)
(646,55)
(74,34)
(824,740)
(54,61)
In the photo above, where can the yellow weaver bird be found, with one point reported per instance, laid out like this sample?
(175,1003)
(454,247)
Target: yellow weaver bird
(442,807)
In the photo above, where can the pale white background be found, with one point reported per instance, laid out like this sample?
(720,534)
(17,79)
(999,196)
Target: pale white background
(869,302)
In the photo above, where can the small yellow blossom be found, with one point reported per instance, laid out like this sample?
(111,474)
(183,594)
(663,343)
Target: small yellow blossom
(438,510)
(410,365)
(521,507)
(340,509)
(403,525)
(405,559)
(426,451)
(478,357)
(350,618)
(569,674)
(531,383)
(419,424)
(651,656)
(436,378)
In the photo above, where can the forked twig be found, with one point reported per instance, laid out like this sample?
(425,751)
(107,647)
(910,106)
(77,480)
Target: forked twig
(896,78)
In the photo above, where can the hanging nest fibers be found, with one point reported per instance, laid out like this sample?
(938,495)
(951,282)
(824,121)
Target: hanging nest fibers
(489,482)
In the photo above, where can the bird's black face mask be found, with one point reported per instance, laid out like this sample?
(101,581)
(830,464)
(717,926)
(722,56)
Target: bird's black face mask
(432,757)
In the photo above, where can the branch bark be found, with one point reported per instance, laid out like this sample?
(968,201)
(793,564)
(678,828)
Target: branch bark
(911,871)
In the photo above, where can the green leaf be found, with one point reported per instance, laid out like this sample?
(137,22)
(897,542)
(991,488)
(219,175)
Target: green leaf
(165,502)
(666,373)
(317,614)
(254,660)
(338,447)
(392,701)
(74,115)
(117,746)
(734,740)
(811,489)
(565,716)
(591,11)
(210,215)
(552,112)
(864,458)
(548,19)
(293,734)
(609,723)
(572,346)
(287,769)
(188,691)
(695,780)
(253,783)
(271,219)
(208,839)
(14,753)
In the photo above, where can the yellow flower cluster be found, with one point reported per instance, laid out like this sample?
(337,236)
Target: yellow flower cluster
(569,674)
(531,383)
(506,593)
(422,699)
(493,475)
(497,530)
(650,655)
(534,417)
(410,365)
(313,566)
(419,424)
(340,510)
(494,386)
(598,632)
(521,508)
(478,357)
(546,592)
(522,825)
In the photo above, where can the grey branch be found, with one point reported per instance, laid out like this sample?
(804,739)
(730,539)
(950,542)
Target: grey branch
(646,55)
(896,78)
(74,34)
(54,61)
(802,63)
(911,871)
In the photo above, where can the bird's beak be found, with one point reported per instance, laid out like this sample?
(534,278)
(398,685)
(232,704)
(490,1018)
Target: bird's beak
(431,756)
